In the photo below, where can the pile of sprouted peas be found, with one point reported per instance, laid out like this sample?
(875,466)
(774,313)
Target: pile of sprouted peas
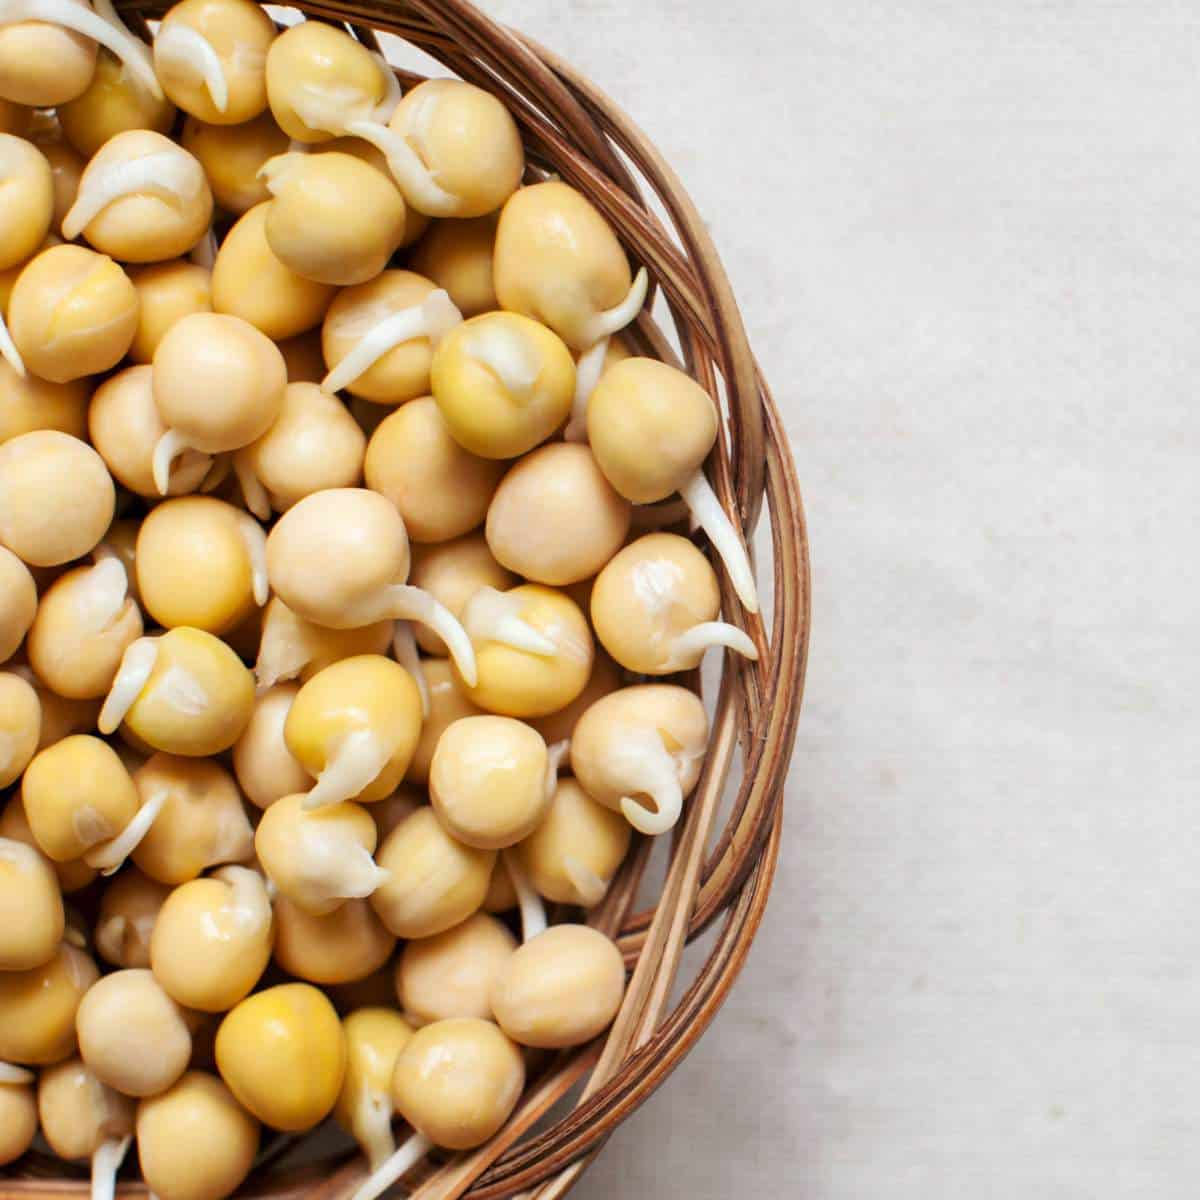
(337,610)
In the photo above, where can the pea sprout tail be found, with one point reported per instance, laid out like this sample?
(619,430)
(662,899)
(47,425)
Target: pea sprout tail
(404,647)
(108,857)
(136,665)
(412,176)
(8,348)
(283,651)
(589,887)
(167,449)
(120,41)
(391,81)
(494,616)
(613,320)
(507,355)
(278,167)
(689,647)
(218,471)
(533,911)
(10,1073)
(556,755)
(394,1168)
(373,1127)
(249,897)
(107,11)
(357,875)
(105,1163)
(233,840)
(253,492)
(699,496)
(102,594)
(433,318)
(355,761)
(640,765)
(111,936)
(254,538)
(179,47)
(588,370)
(403,602)
(169,175)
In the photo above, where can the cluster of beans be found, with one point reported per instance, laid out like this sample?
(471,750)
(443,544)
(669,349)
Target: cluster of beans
(291,771)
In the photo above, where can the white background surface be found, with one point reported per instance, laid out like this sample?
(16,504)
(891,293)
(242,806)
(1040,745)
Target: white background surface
(966,237)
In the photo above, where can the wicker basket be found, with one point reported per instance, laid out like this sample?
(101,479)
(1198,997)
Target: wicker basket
(724,851)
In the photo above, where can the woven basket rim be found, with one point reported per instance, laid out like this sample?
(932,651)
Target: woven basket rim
(576,130)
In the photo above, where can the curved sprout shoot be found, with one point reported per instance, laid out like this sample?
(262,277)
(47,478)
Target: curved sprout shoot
(643,766)
(282,652)
(613,320)
(136,665)
(402,602)
(105,1164)
(11,1073)
(108,12)
(254,538)
(510,358)
(249,900)
(691,644)
(556,755)
(591,888)
(167,449)
(112,933)
(165,174)
(395,1167)
(102,594)
(373,1127)
(123,44)
(108,857)
(404,647)
(204,252)
(699,496)
(8,348)
(587,374)
(218,472)
(414,177)
(354,762)
(186,49)
(533,911)
(257,499)
(433,318)
(387,106)
(493,616)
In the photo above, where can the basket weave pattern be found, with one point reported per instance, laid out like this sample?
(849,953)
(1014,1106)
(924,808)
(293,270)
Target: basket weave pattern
(722,856)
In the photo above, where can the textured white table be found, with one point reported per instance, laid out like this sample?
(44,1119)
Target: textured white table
(966,237)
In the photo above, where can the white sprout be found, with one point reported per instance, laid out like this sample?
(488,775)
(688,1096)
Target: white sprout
(589,886)
(690,645)
(285,649)
(373,1126)
(416,181)
(204,252)
(137,664)
(494,616)
(167,174)
(612,320)
(699,496)
(100,595)
(254,538)
(8,348)
(105,1163)
(354,762)
(10,1073)
(433,318)
(218,471)
(111,35)
(402,602)
(404,647)
(167,449)
(556,755)
(395,1167)
(180,47)
(249,900)
(110,934)
(533,911)
(643,766)
(587,374)
(510,357)
(387,106)
(108,857)
(257,498)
